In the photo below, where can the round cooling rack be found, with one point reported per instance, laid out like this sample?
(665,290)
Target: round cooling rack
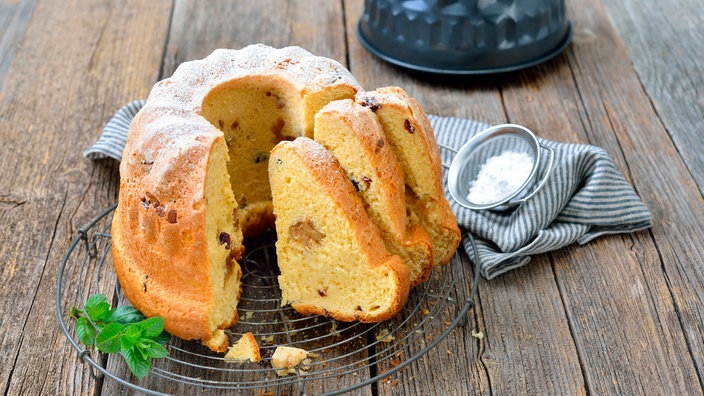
(343,356)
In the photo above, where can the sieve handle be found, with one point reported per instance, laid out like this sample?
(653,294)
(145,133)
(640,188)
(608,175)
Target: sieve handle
(548,172)
(448,148)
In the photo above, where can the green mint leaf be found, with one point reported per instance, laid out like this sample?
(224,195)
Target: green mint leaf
(95,300)
(124,314)
(85,331)
(122,329)
(108,340)
(138,364)
(163,338)
(152,327)
(150,348)
(131,335)
(97,306)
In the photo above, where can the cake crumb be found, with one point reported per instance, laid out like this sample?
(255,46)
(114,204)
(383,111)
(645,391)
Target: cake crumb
(285,359)
(477,334)
(333,327)
(384,336)
(244,350)
(267,339)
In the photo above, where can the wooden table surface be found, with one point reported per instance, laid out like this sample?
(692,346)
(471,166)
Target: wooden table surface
(623,314)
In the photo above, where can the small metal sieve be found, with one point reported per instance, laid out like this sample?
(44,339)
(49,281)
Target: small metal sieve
(493,142)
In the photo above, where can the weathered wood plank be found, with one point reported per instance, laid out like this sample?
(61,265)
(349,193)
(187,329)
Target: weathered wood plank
(527,347)
(14,17)
(57,97)
(622,314)
(635,353)
(197,31)
(619,108)
(666,45)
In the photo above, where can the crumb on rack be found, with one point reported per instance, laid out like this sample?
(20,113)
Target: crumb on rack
(384,336)
(285,359)
(244,350)
(267,339)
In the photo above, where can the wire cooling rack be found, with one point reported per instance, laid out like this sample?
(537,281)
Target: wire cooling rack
(345,356)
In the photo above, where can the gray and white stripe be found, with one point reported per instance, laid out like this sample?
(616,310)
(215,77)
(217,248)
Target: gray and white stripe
(114,137)
(585,197)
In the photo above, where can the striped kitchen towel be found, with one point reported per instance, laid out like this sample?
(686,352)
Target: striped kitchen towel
(114,137)
(585,197)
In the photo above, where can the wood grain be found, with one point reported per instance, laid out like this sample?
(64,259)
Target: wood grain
(609,350)
(14,18)
(48,189)
(661,178)
(195,32)
(666,45)
(513,357)
(622,314)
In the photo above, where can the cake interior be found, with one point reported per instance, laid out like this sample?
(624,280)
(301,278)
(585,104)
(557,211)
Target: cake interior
(380,185)
(224,239)
(420,190)
(254,115)
(321,241)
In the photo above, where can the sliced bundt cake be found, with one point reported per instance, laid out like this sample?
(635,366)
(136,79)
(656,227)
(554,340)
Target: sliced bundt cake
(194,175)
(194,181)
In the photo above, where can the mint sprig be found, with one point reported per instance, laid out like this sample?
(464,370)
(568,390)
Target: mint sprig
(122,330)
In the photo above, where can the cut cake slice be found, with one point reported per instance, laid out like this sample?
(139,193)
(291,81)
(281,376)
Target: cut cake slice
(331,257)
(352,133)
(409,132)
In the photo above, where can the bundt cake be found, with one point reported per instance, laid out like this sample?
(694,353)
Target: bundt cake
(354,136)
(194,176)
(409,133)
(331,257)
(194,182)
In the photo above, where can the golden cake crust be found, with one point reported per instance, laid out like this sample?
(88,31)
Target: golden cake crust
(246,349)
(183,210)
(355,137)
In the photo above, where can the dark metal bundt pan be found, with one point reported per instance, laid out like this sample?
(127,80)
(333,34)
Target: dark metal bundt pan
(464,36)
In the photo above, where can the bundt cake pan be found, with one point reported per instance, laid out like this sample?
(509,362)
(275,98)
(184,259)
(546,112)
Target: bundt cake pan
(464,36)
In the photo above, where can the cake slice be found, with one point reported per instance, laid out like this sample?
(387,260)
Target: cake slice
(410,135)
(180,261)
(352,133)
(331,257)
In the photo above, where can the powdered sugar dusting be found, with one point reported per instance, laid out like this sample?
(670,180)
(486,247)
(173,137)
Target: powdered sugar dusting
(170,125)
(499,177)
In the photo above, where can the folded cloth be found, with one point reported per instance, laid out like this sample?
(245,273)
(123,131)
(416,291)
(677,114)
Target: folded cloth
(585,196)
(114,137)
